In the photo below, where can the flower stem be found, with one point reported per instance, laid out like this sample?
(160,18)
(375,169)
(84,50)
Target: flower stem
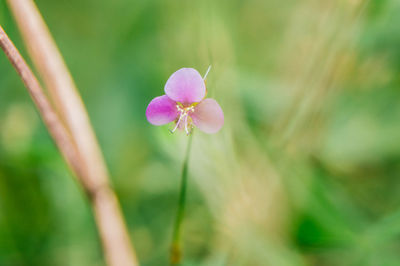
(176,252)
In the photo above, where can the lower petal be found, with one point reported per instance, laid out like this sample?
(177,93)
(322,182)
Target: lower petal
(208,116)
(161,110)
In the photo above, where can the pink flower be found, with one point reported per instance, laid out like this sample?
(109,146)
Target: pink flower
(185,104)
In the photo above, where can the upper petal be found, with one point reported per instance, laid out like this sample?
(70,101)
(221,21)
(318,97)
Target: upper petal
(208,116)
(186,86)
(161,110)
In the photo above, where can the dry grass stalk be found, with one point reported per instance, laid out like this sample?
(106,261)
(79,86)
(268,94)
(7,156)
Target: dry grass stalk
(67,101)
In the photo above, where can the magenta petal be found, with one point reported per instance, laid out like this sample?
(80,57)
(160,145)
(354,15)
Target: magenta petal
(208,116)
(186,86)
(161,110)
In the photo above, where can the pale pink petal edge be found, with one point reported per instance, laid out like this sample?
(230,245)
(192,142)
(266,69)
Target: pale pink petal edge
(208,116)
(186,86)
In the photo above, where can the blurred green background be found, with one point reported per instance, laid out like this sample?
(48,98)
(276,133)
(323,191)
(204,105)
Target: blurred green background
(306,170)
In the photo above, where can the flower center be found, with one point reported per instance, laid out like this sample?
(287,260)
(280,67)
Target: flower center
(184,119)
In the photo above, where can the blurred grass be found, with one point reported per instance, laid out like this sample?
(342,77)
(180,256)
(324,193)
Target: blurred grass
(304,172)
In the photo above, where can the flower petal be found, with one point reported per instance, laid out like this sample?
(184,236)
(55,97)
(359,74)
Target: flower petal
(208,116)
(186,86)
(161,110)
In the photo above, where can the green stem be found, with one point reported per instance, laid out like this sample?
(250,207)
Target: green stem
(176,253)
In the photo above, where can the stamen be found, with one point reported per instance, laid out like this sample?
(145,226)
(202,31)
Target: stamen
(208,70)
(177,124)
(187,133)
(183,117)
